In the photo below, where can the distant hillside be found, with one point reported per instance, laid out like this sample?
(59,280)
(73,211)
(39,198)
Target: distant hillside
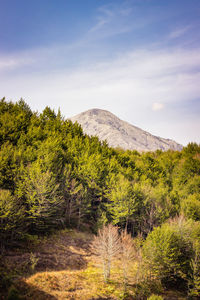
(119,133)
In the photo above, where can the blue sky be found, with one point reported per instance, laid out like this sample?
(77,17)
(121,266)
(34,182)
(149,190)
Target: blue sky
(139,59)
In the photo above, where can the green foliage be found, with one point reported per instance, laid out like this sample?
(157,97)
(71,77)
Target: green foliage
(11,216)
(191,207)
(33,261)
(125,201)
(172,253)
(43,202)
(155,297)
(167,252)
(194,281)
(13,294)
(53,175)
(147,287)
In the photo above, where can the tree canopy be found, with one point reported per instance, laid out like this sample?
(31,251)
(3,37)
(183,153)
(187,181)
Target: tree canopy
(53,175)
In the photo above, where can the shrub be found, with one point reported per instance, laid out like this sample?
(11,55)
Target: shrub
(168,252)
(172,254)
(147,287)
(191,208)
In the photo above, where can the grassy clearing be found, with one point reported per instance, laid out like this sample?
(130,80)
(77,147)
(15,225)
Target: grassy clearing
(80,284)
(64,268)
(84,284)
(87,284)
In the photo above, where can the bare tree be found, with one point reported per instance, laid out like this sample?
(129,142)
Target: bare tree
(127,254)
(149,219)
(107,246)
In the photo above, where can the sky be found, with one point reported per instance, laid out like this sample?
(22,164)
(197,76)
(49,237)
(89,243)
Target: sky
(139,59)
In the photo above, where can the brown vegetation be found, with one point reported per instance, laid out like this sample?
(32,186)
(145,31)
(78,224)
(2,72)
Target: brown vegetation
(63,267)
(107,246)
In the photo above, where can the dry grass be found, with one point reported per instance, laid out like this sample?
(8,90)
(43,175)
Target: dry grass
(66,269)
(82,284)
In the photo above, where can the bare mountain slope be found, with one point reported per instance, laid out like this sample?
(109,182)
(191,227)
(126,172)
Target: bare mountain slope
(119,133)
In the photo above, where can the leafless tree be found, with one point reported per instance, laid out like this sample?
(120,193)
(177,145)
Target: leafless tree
(107,246)
(149,219)
(127,254)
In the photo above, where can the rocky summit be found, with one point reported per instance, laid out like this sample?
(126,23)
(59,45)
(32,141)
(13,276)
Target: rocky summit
(119,133)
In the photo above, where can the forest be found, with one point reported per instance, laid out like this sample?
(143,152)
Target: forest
(53,176)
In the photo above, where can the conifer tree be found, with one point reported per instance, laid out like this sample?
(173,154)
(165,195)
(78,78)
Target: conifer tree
(43,201)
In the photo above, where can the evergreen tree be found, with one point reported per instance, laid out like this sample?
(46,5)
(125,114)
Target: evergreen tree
(43,201)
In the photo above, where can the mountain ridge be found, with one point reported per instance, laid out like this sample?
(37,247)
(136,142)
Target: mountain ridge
(119,133)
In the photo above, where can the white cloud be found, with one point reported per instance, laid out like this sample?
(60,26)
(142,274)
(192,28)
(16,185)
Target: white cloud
(157,106)
(129,83)
(178,32)
(13,62)
(112,19)
(140,75)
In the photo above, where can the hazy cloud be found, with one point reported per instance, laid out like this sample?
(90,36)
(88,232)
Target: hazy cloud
(94,70)
(134,79)
(112,19)
(179,32)
(13,62)
(157,106)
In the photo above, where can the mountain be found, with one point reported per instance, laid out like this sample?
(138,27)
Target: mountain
(119,133)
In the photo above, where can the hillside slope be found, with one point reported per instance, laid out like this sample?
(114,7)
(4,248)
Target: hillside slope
(62,266)
(119,133)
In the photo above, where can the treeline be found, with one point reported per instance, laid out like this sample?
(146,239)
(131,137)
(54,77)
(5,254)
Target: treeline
(52,175)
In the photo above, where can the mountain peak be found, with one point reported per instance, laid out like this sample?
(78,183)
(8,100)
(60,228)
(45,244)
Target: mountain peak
(119,133)
(97,112)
